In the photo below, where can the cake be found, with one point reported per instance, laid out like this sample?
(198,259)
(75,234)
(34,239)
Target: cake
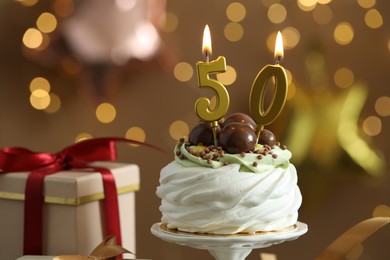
(243,185)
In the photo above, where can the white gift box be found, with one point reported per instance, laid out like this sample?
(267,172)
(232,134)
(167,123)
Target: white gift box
(73,221)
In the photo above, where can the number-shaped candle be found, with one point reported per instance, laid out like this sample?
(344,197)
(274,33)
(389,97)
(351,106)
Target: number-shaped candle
(202,105)
(265,116)
(204,69)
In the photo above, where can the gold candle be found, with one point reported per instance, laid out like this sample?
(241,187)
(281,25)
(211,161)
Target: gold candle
(204,69)
(265,116)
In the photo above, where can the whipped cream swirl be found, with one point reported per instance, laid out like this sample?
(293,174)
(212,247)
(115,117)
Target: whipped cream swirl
(227,200)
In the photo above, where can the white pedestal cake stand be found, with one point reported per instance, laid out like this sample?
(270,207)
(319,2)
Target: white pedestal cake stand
(235,247)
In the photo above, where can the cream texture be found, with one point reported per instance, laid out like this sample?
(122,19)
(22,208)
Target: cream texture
(227,200)
(266,164)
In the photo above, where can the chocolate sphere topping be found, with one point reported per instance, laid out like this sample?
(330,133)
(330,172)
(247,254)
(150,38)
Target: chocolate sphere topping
(242,118)
(202,133)
(267,137)
(237,137)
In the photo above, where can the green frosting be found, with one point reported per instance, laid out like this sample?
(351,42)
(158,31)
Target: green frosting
(276,157)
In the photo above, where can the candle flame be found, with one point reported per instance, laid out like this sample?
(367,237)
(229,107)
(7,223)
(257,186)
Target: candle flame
(279,53)
(206,46)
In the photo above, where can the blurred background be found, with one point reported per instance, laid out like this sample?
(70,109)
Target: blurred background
(71,70)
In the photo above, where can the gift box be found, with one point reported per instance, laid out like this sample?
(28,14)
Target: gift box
(73,219)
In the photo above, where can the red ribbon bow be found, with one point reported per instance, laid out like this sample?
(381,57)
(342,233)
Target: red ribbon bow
(16,159)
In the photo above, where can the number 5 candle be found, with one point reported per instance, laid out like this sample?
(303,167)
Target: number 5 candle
(202,105)
(265,116)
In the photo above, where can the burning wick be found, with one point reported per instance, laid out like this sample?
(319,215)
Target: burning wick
(279,53)
(207,43)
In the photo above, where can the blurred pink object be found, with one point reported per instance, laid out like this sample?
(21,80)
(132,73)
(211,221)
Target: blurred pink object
(114,32)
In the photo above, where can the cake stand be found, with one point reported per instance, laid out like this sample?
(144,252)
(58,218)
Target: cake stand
(232,247)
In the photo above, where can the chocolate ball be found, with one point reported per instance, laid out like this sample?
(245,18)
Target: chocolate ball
(267,137)
(237,137)
(242,118)
(202,133)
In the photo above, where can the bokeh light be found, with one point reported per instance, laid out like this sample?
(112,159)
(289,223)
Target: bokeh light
(366,3)
(307,5)
(32,38)
(137,134)
(105,112)
(291,37)
(46,22)
(235,12)
(39,99)
(382,106)
(372,126)
(229,77)
(343,77)
(63,8)
(170,22)
(343,33)
(183,71)
(233,32)
(277,13)
(39,83)
(322,14)
(45,42)
(324,2)
(27,3)
(373,19)
(82,136)
(291,91)
(179,129)
(268,3)
(289,76)
(55,104)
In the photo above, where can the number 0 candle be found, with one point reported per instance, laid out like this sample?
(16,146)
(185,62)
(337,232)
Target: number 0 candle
(265,116)
(202,105)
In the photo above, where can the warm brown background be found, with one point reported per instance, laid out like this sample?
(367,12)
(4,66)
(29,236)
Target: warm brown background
(146,94)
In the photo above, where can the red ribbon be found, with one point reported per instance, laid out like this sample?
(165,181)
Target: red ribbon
(16,159)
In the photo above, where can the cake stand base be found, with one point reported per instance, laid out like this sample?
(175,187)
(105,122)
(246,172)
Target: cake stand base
(230,254)
(232,247)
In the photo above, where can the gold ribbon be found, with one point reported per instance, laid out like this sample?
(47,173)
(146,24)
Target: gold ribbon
(105,250)
(71,201)
(353,237)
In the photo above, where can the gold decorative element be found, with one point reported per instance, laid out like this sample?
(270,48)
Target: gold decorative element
(71,201)
(261,115)
(356,235)
(348,133)
(202,104)
(11,195)
(105,250)
(324,124)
